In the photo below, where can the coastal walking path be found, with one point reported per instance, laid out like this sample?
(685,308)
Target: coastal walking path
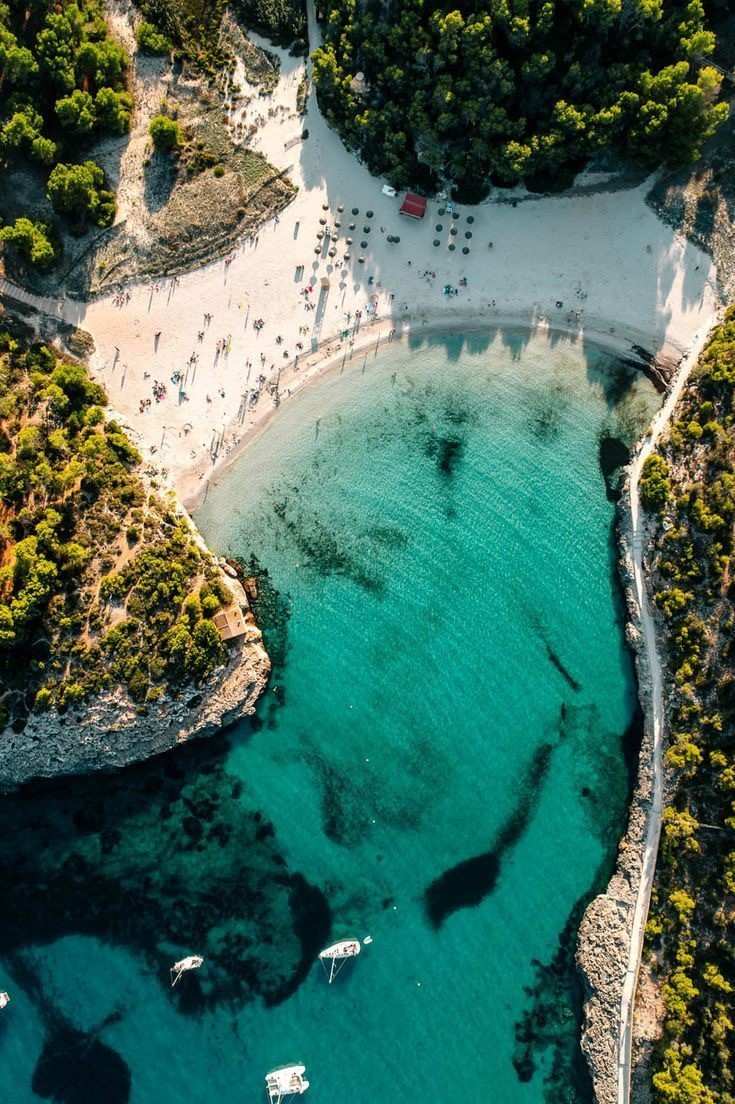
(656,717)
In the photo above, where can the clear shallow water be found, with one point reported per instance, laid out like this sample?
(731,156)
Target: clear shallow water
(438,763)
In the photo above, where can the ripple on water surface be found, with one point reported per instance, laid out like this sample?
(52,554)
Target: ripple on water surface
(438,763)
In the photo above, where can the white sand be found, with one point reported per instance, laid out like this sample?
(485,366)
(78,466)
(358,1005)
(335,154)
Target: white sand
(619,272)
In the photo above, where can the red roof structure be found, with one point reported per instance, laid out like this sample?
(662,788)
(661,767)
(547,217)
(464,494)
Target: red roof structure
(414,206)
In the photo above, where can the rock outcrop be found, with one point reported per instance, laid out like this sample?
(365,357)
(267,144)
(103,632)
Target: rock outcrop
(112,730)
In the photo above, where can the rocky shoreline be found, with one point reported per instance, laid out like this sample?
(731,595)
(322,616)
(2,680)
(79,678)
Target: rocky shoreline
(112,731)
(604,934)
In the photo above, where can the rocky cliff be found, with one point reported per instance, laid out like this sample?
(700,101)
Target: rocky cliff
(112,731)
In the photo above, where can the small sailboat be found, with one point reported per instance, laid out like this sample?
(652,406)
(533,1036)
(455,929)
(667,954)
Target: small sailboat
(4,1000)
(284,1082)
(333,958)
(192,962)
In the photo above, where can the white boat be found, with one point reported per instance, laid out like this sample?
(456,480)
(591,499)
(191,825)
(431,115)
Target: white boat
(333,958)
(4,1000)
(192,962)
(284,1082)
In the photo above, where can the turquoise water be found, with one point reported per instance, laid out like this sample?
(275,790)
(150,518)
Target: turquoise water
(438,763)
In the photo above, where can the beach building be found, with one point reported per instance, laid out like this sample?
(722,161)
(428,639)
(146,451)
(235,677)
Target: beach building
(414,205)
(230,622)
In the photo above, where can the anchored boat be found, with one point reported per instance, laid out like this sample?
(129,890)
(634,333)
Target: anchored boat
(284,1082)
(192,962)
(4,999)
(333,958)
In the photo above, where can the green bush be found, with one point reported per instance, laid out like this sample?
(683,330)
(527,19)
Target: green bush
(165,132)
(31,240)
(655,485)
(152,41)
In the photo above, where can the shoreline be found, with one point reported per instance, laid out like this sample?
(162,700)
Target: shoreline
(611,934)
(192,482)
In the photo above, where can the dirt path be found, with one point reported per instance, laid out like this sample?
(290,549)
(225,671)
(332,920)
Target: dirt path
(656,718)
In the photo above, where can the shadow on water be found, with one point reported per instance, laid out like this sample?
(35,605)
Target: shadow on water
(469,882)
(165,858)
(74,1066)
(613,456)
(552,1021)
(551,653)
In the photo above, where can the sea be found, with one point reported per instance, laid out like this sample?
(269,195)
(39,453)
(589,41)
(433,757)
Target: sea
(439,767)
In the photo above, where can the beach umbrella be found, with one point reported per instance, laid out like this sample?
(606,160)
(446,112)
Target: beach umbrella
(332,252)
(366,229)
(347,256)
(465,249)
(436,241)
(438,228)
(351,226)
(455,214)
(322,221)
(363,245)
(318,249)
(349,241)
(368,214)
(396,238)
(337,223)
(361,260)
(325,206)
(468,234)
(355,210)
(453,231)
(452,246)
(341,208)
(470,218)
(442,210)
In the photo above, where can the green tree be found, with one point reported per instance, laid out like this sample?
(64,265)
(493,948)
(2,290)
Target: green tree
(57,44)
(17,63)
(76,112)
(113,110)
(22,134)
(78,191)
(31,240)
(103,63)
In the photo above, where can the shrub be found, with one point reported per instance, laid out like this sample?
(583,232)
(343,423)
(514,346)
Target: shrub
(31,240)
(655,484)
(151,41)
(165,132)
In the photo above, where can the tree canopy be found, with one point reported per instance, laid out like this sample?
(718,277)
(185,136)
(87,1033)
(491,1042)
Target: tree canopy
(77,191)
(689,487)
(102,584)
(504,91)
(62,85)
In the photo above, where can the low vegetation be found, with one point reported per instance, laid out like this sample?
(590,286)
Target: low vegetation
(690,488)
(193,28)
(541,87)
(102,584)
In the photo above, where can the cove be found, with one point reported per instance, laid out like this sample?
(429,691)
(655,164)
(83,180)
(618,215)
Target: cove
(438,762)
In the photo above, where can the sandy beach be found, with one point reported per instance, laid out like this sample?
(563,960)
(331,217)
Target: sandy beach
(191,372)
